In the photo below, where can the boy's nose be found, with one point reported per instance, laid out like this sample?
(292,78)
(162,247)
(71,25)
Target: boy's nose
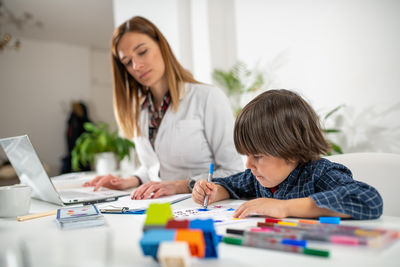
(249,164)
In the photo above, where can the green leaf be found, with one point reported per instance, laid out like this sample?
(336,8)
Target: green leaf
(102,143)
(90,127)
(257,84)
(74,161)
(333,111)
(236,79)
(237,111)
(119,145)
(86,149)
(335,148)
(331,130)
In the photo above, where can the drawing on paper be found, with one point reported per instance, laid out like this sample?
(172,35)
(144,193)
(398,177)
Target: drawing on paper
(219,213)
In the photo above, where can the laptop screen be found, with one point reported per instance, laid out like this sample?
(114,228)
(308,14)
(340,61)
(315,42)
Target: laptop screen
(28,167)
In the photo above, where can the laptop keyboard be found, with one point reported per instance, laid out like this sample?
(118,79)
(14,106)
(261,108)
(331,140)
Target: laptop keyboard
(75,194)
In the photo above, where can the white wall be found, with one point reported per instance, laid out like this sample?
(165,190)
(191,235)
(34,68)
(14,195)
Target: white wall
(222,31)
(333,53)
(178,20)
(101,89)
(38,83)
(201,41)
(164,14)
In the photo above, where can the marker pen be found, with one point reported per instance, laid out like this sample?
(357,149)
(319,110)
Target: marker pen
(210,175)
(245,241)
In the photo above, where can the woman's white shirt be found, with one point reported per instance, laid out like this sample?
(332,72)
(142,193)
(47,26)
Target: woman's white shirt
(200,132)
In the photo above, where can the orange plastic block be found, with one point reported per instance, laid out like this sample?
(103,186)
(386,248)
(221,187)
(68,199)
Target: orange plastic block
(195,240)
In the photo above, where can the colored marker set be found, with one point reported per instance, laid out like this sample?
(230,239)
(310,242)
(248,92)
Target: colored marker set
(308,230)
(334,233)
(257,240)
(160,227)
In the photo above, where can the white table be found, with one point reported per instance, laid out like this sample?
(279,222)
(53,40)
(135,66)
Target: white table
(117,244)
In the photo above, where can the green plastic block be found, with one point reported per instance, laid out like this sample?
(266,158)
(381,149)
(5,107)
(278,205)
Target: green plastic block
(158,214)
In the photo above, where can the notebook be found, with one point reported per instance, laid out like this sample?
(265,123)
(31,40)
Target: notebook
(30,171)
(126,204)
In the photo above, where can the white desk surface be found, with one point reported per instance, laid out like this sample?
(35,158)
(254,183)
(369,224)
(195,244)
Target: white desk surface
(49,245)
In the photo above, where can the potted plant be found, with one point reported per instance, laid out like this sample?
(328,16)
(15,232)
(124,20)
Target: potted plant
(335,148)
(99,147)
(237,81)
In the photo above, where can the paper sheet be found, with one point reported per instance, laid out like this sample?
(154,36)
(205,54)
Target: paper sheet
(221,214)
(143,204)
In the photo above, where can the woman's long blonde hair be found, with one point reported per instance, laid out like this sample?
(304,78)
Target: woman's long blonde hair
(128,93)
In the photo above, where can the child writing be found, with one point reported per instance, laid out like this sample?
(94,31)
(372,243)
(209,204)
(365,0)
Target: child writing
(280,135)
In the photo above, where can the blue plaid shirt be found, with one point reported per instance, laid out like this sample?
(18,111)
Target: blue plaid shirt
(329,184)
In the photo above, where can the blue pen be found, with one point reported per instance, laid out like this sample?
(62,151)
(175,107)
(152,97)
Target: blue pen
(210,175)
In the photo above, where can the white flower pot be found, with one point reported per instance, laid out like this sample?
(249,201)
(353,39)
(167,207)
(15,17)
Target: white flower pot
(105,163)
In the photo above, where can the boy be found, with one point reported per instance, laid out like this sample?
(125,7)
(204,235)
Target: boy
(281,136)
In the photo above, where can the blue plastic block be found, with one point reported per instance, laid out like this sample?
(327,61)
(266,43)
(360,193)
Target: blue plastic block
(206,225)
(152,238)
(210,237)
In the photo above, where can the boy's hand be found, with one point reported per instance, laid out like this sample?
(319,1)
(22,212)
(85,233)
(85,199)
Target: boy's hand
(203,188)
(276,208)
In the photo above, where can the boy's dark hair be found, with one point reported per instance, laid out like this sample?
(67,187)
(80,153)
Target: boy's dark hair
(281,124)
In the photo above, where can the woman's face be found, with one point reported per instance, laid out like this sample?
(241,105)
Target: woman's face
(142,58)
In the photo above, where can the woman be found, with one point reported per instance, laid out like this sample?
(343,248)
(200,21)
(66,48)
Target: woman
(179,125)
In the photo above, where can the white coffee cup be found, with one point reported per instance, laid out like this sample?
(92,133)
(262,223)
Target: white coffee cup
(15,200)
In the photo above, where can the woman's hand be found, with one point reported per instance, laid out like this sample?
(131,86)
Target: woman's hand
(112,182)
(157,189)
(276,208)
(203,188)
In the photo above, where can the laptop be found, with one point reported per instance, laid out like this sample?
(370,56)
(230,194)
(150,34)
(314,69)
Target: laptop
(30,171)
